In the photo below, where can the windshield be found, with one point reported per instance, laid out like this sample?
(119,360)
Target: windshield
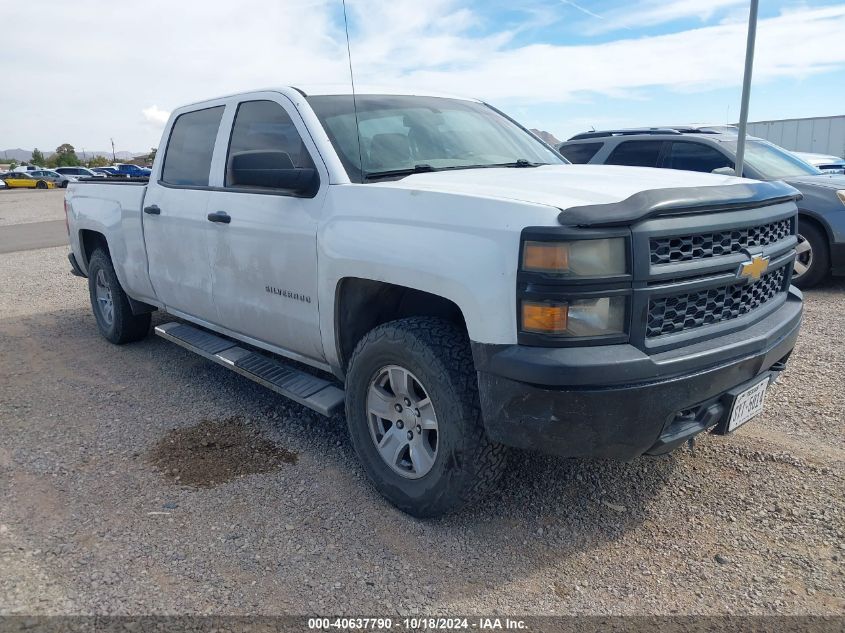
(407,134)
(774,163)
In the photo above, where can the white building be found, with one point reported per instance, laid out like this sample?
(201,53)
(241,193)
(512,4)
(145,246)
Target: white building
(818,135)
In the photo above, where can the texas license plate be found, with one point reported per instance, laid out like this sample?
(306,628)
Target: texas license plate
(748,404)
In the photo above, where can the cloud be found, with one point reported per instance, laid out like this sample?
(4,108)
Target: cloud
(796,44)
(656,12)
(155,116)
(193,50)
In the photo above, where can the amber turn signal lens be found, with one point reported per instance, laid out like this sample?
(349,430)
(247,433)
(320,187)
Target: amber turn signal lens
(551,257)
(544,318)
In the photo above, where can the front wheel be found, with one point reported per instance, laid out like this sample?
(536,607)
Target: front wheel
(110,304)
(414,417)
(812,259)
(41,185)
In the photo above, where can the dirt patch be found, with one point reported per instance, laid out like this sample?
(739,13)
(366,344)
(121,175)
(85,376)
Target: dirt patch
(215,451)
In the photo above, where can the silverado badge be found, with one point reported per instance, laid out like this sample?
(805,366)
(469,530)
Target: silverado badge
(753,269)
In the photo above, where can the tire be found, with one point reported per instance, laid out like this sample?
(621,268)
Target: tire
(41,185)
(64,184)
(813,258)
(436,356)
(110,304)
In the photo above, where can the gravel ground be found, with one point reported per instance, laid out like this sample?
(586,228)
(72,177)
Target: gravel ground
(22,206)
(144,479)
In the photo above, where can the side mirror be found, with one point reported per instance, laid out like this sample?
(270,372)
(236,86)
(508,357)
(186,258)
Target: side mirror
(724,171)
(272,170)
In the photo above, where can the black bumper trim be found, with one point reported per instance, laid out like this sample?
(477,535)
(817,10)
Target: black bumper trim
(837,259)
(622,421)
(610,365)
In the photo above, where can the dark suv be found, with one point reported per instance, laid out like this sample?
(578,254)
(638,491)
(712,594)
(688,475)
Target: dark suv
(821,227)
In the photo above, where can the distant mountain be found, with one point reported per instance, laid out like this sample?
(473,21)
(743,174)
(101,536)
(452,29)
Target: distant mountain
(25,155)
(17,154)
(550,138)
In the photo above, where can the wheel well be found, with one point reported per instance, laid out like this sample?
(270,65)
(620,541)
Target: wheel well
(363,304)
(91,241)
(809,219)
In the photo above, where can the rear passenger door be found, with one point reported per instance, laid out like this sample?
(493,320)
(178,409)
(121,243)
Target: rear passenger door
(175,217)
(264,255)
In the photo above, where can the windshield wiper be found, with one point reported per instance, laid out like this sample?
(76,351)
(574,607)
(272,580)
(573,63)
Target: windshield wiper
(519,162)
(425,167)
(393,173)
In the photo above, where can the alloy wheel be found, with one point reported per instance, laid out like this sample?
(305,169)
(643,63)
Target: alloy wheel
(402,422)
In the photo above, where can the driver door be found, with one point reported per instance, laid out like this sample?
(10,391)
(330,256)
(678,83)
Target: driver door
(264,252)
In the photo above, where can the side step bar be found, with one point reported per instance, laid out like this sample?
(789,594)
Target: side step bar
(315,393)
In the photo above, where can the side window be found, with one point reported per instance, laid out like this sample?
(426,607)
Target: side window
(266,150)
(191,145)
(695,157)
(636,154)
(580,153)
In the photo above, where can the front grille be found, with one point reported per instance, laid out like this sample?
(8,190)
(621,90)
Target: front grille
(682,312)
(686,248)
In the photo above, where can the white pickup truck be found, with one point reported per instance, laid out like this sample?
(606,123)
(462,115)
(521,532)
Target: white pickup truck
(453,282)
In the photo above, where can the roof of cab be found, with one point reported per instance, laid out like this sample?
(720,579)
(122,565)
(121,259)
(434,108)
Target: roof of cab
(309,90)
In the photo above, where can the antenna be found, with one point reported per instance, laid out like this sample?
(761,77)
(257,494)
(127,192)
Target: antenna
(354,100)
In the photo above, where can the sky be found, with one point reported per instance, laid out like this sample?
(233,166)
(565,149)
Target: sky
(86,71)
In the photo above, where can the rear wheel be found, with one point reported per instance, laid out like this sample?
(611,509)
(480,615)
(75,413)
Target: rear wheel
(414,417)
(812,260)
(41,185)
(110,304)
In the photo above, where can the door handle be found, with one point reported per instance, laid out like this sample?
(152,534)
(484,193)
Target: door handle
(152,209)
(220,216)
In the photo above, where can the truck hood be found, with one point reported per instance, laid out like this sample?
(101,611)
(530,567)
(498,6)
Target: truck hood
(560,186)
(601,194)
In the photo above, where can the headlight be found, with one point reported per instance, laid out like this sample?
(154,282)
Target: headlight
(841,195)
(578,258)
(598,316)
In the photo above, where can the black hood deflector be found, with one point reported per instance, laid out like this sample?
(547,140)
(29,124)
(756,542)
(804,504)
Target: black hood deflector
(680,201)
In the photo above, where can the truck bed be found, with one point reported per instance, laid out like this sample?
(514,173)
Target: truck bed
(111,209)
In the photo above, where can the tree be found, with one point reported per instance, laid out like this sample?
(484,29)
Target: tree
(66,156)
(37,157)
(99,161)
(153,153)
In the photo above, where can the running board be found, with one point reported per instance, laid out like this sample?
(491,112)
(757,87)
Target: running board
(315,393)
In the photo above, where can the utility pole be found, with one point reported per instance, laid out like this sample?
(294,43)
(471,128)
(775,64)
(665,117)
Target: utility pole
(746,86)
(113,157)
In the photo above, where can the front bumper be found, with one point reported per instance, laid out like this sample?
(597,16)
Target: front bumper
(615,401)
(837,259)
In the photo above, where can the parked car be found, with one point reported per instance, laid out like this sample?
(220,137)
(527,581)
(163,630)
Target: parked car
(467,288)
(2,182)
(79,172)
(108,172)
(53,176)
(821,247)
(25,180)
(26,168)
(823,162)
(132,171)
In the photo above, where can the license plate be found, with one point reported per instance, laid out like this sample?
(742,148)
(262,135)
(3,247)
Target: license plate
(748,404)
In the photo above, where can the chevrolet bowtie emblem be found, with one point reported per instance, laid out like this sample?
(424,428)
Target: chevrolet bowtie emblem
(754,268)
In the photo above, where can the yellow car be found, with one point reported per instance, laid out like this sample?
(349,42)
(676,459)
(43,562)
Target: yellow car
(21,179)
